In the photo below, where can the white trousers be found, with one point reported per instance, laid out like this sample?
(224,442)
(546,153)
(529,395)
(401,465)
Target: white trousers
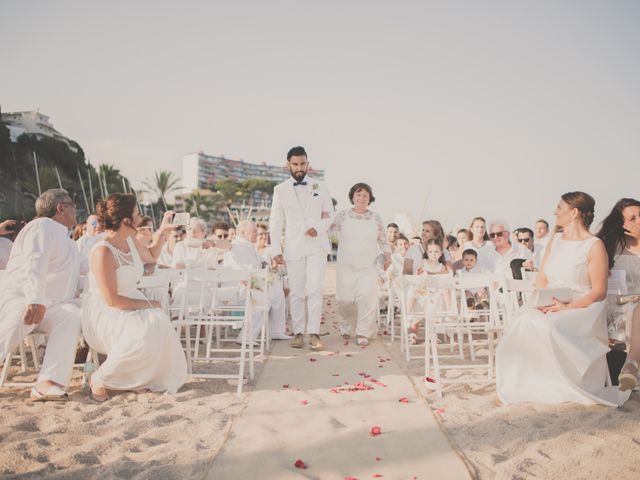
(277,312)
(61,322)
(357,300)
(306,278)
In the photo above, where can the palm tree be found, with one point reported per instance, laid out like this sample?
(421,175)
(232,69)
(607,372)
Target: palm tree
(202,203)
(162,184)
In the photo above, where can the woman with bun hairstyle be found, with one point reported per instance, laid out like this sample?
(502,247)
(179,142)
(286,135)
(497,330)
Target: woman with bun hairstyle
(557,353)
(143,350)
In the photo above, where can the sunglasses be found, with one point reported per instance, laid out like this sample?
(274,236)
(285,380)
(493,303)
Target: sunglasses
(224,235)
(524,240)
(497,234)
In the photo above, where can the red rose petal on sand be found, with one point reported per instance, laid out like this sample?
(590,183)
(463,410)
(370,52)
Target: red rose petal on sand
(404,400)
(350,478)
(430,380)
(377,475)
(313,359)
(304,402)
(286,385)
(378,459)
(335,374)
(300,464)
(348,355)
(375,431)
(347,342)
(440,411)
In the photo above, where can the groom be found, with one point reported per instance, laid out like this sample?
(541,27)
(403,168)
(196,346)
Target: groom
(302,206)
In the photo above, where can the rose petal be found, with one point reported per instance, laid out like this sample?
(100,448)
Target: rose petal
(440,410)
(313,359)
(300,464)
(304,402)
(335,374)
(430,380)
(404,400)
(378,459)
(375,431)
(286,385)
(377,475)
(350,478)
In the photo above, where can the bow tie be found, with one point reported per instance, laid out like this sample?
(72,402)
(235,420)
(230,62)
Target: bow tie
(299,183)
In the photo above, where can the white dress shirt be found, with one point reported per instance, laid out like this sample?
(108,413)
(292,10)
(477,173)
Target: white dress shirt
(190,253)
(44,265)
(242,254)
(5,251)
(503,262)
(486,255)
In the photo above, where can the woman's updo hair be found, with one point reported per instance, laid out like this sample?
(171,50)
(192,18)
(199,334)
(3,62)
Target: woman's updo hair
(115,208)
(584,203)
(361,186)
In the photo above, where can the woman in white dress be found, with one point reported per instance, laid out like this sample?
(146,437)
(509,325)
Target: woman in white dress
(557,353)
(481,244)
(361,238)
(620,232)
(143,350)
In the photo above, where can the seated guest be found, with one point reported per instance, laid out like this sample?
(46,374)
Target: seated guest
(243,254)
(486,250)
(434,264)
(557,353)
(505,251)
(524,236)
(542,234)
(477,298)
(453,247)
(431,230)
(37,293)
(400,264)
(221,230)
(620,232)
(145,231)
(393,231)
(91,235)
(277,312)
(142,348)
(6,228)
(232,233)
(195,251)
(463,235)
(176,234)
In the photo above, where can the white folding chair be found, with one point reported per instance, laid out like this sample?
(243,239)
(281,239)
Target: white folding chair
(516,294)
(224,304)
(156,287)
(29,342)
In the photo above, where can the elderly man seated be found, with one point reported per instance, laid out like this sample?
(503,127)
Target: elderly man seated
(506,252)
(243,254)
(37,293)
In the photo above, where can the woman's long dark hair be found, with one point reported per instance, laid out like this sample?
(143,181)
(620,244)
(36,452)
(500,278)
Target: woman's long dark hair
(612,231)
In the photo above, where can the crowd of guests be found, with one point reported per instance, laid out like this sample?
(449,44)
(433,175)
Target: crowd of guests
(47,271)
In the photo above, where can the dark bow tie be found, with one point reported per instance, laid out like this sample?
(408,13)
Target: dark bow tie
(295,184)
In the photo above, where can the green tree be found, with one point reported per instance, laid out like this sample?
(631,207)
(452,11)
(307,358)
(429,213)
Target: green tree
(162,184)
(203,203)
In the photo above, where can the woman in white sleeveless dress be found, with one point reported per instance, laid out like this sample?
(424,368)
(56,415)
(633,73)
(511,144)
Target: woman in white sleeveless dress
(620,232)
(143,350)
(558,353)
(361,238)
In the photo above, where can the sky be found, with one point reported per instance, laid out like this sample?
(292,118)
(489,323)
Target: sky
(449,110)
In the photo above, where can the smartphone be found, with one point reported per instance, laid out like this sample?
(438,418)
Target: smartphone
(181,218)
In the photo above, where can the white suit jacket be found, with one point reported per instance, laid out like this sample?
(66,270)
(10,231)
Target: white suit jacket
(287,214)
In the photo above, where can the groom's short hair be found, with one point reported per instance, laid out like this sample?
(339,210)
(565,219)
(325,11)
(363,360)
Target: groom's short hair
(296,152)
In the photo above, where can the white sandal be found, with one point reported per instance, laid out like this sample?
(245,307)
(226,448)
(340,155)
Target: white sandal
(362,341)
(53,394)
(628,380)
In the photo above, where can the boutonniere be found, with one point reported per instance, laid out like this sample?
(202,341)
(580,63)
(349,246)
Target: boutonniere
(315,186)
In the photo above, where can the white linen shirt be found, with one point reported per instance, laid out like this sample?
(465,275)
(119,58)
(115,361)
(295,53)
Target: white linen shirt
(5,252)
(242,254)
(503,262)
(44,265)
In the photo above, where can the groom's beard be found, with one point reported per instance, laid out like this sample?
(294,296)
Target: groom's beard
(298,176)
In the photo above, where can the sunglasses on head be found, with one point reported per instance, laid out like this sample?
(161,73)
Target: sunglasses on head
(497,234)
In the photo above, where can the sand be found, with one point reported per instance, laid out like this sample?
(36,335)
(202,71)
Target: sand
(137,436)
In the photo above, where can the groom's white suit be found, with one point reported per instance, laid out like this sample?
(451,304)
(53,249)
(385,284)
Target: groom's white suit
(296,208)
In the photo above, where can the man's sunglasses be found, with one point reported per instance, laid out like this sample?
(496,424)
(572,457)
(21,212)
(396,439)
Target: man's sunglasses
(497,234)
(524,240)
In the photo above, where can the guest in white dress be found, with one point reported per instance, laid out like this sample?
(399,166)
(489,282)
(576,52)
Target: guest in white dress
(37,292)
(166,254)
(620,232)
(361,238)
(557,353)
(143,350)
(486,250)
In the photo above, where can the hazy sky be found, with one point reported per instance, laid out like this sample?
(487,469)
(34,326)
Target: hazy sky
(448,109)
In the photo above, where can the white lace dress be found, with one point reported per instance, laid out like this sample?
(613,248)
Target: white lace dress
(143,350)
(361,238)
(558,357)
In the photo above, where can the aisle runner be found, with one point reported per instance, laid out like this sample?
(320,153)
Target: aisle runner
(345,413)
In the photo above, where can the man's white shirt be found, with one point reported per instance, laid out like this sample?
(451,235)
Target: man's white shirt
(503,262)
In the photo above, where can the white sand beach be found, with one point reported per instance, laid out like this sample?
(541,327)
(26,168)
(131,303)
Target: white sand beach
(138,436)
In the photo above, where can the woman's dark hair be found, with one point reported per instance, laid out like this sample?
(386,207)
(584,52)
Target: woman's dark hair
(115,208)
(584,203)
(612,231)
(452,241)
(433,241)
(361,186)
(486,235)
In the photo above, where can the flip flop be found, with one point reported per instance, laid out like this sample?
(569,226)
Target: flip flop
(53,394)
